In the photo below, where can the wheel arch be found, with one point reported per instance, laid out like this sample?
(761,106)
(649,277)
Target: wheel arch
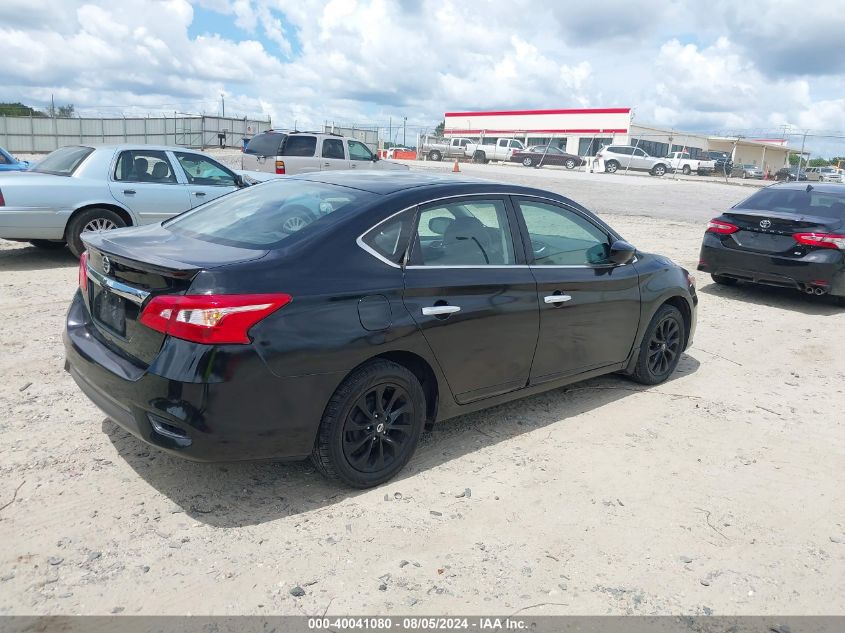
(424,372)
(123,213)
(675,300)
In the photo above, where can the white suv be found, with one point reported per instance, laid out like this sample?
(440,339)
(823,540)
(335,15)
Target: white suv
(616,157)
(293,153)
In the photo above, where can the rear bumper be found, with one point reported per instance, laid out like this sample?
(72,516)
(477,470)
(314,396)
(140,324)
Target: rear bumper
(246,413)
(32,223)
(822,267)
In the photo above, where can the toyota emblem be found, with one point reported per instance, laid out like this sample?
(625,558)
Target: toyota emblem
(107,264)
(765,224)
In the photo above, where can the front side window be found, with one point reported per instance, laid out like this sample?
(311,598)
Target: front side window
(63,162)
(467,233)
(300,146)
(144,166)
(204,171)
(560,237)
(333,148)
(359,151)
(3,160)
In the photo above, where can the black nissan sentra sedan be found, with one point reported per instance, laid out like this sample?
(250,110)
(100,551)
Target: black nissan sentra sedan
(333,316)
(790,234)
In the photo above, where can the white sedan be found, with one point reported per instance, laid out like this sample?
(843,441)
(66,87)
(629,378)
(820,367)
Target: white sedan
(81,188)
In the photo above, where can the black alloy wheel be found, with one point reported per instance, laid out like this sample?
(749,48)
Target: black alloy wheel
(371,425)
(661,348)
(378,428)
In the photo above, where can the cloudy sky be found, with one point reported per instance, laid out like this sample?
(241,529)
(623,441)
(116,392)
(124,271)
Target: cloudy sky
(704,66)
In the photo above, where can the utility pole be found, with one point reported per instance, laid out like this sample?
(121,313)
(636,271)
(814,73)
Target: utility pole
(800,156)
(390,130)
(404,131)
(52,107)
(223,105)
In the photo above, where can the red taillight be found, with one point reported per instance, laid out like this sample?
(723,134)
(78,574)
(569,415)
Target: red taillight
(822,240)
(210,319)
(721,227)
(83,271)
(2,200)
(280,167)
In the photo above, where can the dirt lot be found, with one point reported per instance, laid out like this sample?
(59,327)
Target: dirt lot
(718,492)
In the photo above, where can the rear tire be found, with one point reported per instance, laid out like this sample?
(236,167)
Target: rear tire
(570,163)
(723,281)
(527,161)
(479,157)
(96,219)
(362,441)
(662,346)
(47,245)
(611,166)
(434,155)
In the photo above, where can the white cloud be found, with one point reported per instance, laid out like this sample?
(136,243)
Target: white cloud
(721,65)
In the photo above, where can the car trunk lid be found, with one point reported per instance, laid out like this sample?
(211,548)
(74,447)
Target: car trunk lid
(127,267)
(773,231)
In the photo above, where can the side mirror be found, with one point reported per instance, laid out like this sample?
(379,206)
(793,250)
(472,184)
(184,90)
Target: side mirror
(375,157)
(239,181)
(622,252)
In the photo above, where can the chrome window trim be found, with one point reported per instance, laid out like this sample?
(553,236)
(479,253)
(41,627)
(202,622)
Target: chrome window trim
(135,295)
(366,248)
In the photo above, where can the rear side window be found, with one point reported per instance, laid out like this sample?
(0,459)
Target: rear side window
(799,201)
(263,216)
(333,148)
(144,166)
(621,150)
(64,161)
(265,144)
(390,238)
(300,146)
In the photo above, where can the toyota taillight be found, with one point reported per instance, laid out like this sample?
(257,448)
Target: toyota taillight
(2,200)
(280,167)
(210,319)
(721,227)
(83,271)
(822,240)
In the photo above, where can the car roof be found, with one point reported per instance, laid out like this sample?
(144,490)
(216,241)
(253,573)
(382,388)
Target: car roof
(381,182)
(137,146)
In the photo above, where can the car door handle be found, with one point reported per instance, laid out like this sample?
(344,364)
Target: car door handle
(440,310)
(557,299)
(327,164)
(129,192)
(199,194)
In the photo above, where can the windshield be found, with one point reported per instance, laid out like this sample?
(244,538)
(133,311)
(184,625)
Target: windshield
(263,216)
(798,201)
(63,162)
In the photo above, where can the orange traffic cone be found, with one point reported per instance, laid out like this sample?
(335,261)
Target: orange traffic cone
(456,169)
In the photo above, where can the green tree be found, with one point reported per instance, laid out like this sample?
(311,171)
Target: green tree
(438,130)
(18,109)
(818,162)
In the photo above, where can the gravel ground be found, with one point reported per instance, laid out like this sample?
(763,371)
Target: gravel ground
(718,492)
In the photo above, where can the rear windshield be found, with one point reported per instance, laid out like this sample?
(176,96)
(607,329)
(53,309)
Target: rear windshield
(62,162)
(799,201)
(263,216)
(265,145)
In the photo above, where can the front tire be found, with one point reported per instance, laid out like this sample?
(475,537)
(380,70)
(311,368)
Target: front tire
(662,346)
(570,163)
(658,170)
(96,220)
(371,425)
(611,166)
(686,170)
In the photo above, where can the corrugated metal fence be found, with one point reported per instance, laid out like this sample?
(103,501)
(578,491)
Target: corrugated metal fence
(42,134)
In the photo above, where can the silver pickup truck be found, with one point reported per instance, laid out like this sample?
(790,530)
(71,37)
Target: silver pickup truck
(436,148)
